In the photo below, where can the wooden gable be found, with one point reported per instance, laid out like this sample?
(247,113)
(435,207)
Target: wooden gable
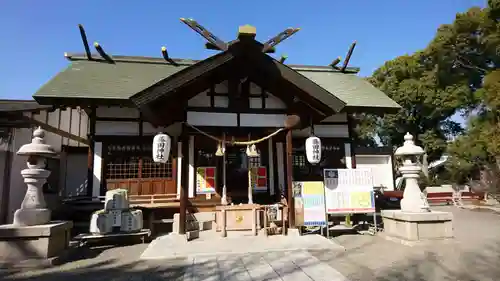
(236,69)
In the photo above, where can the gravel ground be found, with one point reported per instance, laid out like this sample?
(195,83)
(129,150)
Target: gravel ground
(473,255)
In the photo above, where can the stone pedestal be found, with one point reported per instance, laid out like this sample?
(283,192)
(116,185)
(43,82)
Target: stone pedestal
(417,226)
(38,242)
(415,221)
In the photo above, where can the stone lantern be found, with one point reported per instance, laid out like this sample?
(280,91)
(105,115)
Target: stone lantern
(33,209)
(413,199)
(32,228)
(415,221)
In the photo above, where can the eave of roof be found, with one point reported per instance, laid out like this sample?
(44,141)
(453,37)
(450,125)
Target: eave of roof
(99,79)
(7,105)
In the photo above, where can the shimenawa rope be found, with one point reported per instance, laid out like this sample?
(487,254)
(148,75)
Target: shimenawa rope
(237,142)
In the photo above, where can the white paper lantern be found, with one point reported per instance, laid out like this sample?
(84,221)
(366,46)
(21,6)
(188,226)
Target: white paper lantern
(313,150)
(161,148)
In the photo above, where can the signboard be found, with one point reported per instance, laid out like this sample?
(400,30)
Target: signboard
(309,203)
(258,178)
(349,191)
(205,180)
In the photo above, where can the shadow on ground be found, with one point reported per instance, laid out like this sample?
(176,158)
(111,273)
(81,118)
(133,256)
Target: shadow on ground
(237,267)
(481,265)
(105,270)
(473,255)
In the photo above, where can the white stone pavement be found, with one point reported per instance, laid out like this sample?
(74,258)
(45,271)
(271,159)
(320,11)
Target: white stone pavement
(213,258)
(175,246)
(270,266)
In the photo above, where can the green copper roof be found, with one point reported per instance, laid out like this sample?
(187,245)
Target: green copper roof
(101,80)
(98,79)
(350,88)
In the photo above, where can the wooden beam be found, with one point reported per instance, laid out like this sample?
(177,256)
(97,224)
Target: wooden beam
(335,62)
(283,58)
(198,28)
(103,54)
(271,43)
(348,56)
(85,42)
(56,131)
(165,55)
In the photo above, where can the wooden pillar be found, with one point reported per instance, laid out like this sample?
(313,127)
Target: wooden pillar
(184,182)
(289,173)
(90,159)
(224,174)
(352,145)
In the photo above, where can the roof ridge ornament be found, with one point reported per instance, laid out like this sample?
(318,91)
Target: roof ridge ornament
(336,61)
(164,52)
(210,37)
(282,36)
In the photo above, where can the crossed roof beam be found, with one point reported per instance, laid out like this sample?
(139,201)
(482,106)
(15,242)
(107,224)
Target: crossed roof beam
(215,43)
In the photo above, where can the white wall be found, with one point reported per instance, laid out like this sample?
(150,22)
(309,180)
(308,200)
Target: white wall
(325,131)
(117,128)
(117,112)
(71,120)
(17,186)
(75,178)
(203,100)
(381,166)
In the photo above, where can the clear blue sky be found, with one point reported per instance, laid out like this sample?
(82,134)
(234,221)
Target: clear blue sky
(35,34)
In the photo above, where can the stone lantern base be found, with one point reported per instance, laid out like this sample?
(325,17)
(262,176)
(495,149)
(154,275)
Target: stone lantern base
(418,226)
(34,243)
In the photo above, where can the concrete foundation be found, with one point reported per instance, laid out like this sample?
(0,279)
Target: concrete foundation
(39,242)
(418,226)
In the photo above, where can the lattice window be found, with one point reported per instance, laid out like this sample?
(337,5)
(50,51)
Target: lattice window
(134,161)
(254,161)
(151,169)
(123,168)
(298,160)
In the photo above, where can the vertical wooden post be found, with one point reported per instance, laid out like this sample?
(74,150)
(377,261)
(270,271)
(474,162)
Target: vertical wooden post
(289,172)
(184,182)
(90,159)
(254,221)
(224,173)
(224,222)
(352,144)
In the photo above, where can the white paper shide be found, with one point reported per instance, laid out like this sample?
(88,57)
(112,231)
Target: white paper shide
(161,148)
(313,150)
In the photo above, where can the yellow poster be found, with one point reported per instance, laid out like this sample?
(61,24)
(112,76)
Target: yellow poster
(361,200)
(205,180)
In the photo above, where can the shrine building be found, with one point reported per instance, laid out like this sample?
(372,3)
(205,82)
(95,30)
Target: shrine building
(231,113)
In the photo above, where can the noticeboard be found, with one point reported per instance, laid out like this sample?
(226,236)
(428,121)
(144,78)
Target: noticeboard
(309,203)
(349,191)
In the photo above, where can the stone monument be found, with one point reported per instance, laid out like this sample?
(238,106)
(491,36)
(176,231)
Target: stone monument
(32,235)
(415,221)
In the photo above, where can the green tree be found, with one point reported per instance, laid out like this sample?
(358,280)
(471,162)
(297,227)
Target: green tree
(455,73)
(427,105)
(469,52)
